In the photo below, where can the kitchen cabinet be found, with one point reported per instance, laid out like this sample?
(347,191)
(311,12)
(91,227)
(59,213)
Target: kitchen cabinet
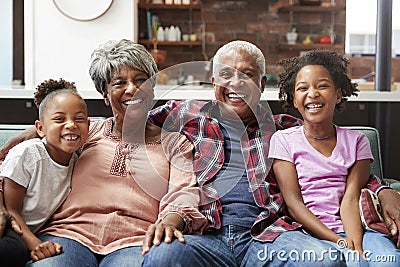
(326,18)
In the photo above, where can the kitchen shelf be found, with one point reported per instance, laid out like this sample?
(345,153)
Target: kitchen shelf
(302,47)
(164,6)
(189,19)
(170,43)
(311,9)
(312,28)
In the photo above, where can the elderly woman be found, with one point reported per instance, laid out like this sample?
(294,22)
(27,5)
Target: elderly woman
(115,196)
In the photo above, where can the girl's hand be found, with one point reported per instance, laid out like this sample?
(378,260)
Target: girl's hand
(345,242)
(348,243)
(45,250)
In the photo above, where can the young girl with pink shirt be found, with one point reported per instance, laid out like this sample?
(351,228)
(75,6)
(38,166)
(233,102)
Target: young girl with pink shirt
(320,167)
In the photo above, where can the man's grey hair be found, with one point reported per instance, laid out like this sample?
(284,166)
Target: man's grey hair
(113,55)
(240,45)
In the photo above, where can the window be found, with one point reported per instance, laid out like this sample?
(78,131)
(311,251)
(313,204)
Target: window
(361,27)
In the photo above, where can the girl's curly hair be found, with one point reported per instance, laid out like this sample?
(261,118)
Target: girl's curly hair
(333,62)
(48,86)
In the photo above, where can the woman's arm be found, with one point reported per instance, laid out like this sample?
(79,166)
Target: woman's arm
(26,134)
(349,208)
(171,226)
(5,215)
(179,206)
(286,176)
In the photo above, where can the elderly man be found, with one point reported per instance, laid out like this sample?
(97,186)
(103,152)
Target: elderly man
(247,221)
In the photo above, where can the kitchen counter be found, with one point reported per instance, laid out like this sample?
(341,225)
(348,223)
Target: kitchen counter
(165,92)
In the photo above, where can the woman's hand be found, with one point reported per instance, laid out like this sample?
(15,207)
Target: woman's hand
(167,229)
(390,203)
(5,217)
(45,250)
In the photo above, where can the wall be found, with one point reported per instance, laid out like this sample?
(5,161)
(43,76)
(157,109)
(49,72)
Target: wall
(6,43)
(52,39)
(360,66)
(56,46)
(261,23)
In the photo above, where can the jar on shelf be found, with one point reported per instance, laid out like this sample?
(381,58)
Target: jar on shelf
(291,36)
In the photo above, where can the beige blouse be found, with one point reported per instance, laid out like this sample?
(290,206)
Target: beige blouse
(116,195)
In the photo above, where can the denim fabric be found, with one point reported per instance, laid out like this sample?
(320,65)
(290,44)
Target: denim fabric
(383,250)
(75,254)
(233,246)
(378,249)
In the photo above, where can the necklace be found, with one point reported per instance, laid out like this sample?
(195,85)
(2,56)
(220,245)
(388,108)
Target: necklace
(322,137)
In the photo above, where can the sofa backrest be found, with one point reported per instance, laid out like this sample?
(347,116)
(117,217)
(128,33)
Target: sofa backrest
(373,137)
(8,130)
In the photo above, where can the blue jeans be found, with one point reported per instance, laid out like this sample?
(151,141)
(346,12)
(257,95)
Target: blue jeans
(233,246)
(75,254)
(377,247)
(383,250)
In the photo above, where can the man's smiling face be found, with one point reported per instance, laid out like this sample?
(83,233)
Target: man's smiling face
(238,84)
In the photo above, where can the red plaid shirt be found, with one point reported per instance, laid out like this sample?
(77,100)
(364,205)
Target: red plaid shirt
(195,120)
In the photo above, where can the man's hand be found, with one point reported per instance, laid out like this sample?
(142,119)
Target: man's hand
(45,250)
(163,229)
(390,202)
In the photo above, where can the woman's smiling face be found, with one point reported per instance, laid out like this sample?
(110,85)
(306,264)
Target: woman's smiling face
(123,92)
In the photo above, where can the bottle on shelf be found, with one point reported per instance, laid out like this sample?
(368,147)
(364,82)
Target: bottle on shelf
(172,33)
(160,34)
(178,33)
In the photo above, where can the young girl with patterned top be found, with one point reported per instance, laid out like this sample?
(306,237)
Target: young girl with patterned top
(37,172)
(320,167)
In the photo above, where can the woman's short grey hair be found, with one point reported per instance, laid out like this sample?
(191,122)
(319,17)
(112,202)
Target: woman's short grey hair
(113,55)
(241,45)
